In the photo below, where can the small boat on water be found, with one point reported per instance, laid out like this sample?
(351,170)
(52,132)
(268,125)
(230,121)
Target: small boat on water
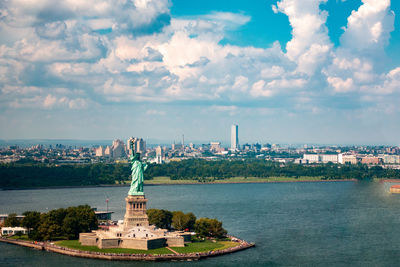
(395,189)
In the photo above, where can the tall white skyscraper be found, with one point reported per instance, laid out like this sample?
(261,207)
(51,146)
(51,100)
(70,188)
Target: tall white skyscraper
(159,155)
(234,138)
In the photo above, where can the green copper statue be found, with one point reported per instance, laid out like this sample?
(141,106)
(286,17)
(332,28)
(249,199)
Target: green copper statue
(137,174)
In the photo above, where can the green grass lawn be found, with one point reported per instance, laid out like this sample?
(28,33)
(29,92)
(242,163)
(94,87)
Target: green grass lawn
(167,180)
(21,237)
(74,244)
(204,246)
(269,179)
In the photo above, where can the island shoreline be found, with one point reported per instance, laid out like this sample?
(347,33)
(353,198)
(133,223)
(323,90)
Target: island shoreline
(46,246)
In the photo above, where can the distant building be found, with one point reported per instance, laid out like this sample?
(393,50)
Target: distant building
(3,218)
(139,145)
(317,158)
(176,146)
(103,215)
(215,146)
(108,151)
(234,137)
(13,230)
(325,158)
(391,159)
(118,149)
(246,147)
(311,158)
(100,151)
(347,159)
(159,155)
(300,161)
(257,147)
(371,160)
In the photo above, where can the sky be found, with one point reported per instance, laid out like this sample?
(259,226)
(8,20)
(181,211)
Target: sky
(288,71)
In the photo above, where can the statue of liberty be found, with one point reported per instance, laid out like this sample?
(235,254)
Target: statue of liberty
(137,174)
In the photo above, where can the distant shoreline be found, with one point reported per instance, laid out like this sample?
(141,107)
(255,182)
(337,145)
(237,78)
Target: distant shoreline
(181,182)
(254,182)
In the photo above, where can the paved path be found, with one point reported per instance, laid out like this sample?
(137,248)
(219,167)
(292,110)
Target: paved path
(172,250)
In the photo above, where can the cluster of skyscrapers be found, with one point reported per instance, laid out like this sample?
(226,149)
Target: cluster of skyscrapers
(120,150)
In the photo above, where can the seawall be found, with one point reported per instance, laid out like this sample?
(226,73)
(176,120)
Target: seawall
(127,257)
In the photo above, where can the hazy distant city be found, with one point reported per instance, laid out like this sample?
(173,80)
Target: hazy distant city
(118,152)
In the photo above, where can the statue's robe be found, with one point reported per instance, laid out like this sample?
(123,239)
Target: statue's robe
(137,178)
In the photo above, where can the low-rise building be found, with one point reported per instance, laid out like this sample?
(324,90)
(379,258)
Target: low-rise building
(371,160)
(215,146)
(325,158)
(3,218)
(311,158)
(347,159)
(103,215)
(13,230)
(391,159)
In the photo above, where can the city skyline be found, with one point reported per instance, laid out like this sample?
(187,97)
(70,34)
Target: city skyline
(289,71)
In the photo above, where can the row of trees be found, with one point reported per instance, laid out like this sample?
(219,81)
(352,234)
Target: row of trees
(42,175)
(56,224)
(201,170)
(167,220)
(204,227)
(68,223)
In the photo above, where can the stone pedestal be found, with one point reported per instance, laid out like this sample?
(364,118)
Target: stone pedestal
(135,214)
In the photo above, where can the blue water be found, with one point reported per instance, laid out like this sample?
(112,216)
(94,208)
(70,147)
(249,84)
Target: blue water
(293,224)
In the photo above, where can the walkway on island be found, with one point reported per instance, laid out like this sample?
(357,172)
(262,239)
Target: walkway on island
(170,249)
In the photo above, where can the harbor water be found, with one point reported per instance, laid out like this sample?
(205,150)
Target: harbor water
(293,224)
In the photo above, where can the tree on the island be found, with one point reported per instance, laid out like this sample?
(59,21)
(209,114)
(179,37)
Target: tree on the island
(182,221)
(216,229)
(206,227)
(66,223)
(50,227)
(160,218)
(201,227)
(191,220)
(12,220)
(31,221)
(77,220)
